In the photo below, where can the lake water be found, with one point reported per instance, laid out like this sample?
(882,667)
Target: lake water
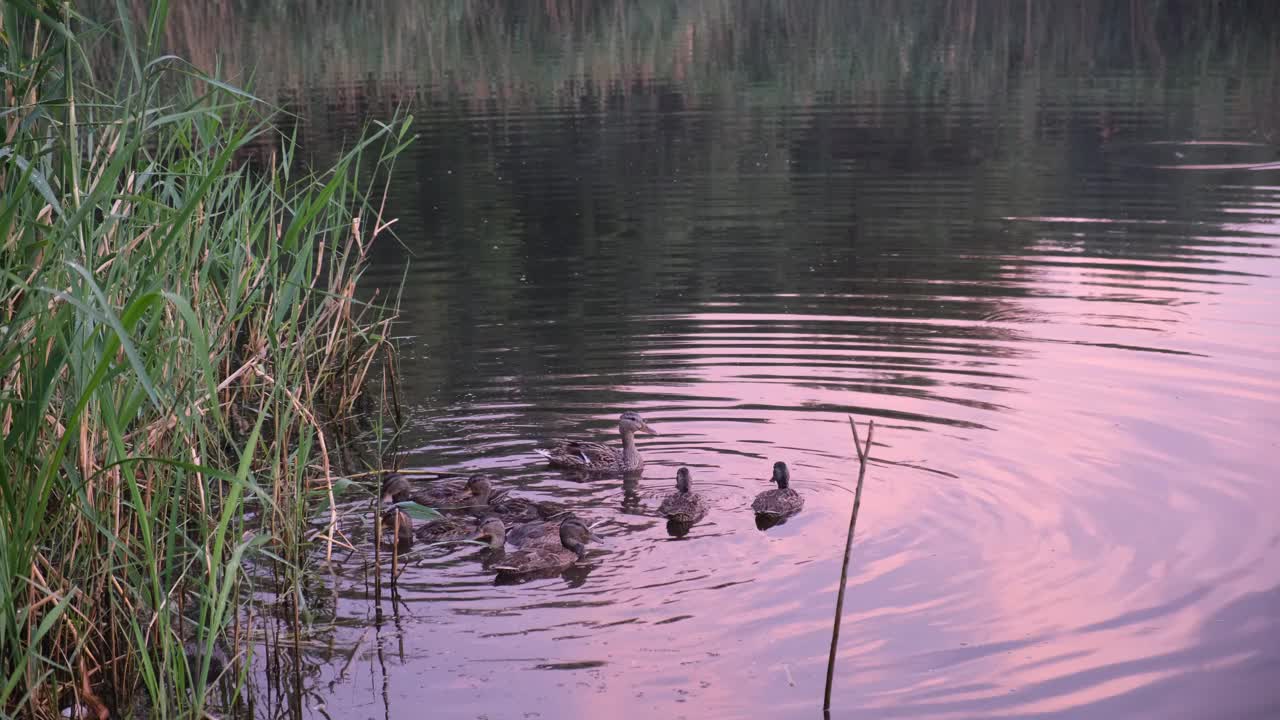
(1041,251)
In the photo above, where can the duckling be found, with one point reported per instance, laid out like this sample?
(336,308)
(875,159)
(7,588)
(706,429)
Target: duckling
(398,525)
(598,458)
(574,536)
(476,491)
(781,501)
(683,505)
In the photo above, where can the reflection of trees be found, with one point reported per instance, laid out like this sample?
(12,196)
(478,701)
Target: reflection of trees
(519,54)
(585,163)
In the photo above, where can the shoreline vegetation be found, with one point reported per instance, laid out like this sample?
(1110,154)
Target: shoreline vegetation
(183,354)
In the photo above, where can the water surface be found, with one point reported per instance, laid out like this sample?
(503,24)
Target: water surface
(1039,251)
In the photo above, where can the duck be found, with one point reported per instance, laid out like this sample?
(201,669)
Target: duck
(514,509)
(535,558)
(781,501)
(683,505)
(464,527)
(538,533)
(493,532)
(397,525)
(446,529)
(474,492)
(597,458)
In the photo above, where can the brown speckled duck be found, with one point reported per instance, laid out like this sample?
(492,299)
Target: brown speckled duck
(574,535)
(515,509)
(454,528)
(781,501)
(597,458)
(397,527)
(683,505)
(475,491)
(539,533)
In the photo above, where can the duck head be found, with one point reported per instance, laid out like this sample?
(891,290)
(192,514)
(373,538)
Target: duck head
(395,489)
(683,478)
(630,422)
(781,475)
(492,531)
(574,535)
(480,488)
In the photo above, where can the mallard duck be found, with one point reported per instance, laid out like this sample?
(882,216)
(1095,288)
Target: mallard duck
(538,533)
(574,535)
(475,491)
(513,509)
(447,529)
(782,500)
(398,526)
(683,505)
(493,531)
(593,457)
(462,527)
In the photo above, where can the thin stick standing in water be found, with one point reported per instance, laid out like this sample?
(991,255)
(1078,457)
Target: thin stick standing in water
(864,457)
(378,522)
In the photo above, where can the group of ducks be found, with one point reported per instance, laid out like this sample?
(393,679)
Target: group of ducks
(547,536)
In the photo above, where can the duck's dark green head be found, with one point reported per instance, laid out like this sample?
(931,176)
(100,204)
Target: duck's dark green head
(395,489)
(683,479)
(574,535)
(492,531)
(781,474)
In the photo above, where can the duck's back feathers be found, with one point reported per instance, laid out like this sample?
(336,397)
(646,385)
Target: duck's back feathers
(537,558)
(460,527)
(686,507)
(514,509)
(439,494)
(778,502)
(582,456)
(535,534)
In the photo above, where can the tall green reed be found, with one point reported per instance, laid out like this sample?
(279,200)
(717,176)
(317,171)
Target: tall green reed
(180,342)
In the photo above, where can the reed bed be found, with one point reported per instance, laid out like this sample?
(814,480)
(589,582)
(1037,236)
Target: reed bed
(183,347)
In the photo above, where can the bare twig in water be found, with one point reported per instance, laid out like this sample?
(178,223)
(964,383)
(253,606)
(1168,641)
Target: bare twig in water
(864,457)
(395,550)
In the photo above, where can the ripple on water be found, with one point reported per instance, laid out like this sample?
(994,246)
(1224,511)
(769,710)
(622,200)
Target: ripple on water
(1071,367)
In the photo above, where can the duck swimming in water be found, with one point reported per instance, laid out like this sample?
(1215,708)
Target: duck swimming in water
(597,458)
(514,509)
(535,558)
(397,525)
(544,533)
(475,491)
(463,527)
(443,530)
(781,501)
(683,505)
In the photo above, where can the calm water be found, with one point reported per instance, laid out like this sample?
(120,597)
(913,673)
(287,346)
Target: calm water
(1041,253)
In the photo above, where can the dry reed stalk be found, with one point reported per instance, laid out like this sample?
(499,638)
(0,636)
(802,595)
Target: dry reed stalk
(864,457)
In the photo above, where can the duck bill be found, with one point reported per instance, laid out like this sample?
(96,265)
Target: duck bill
(646,428)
